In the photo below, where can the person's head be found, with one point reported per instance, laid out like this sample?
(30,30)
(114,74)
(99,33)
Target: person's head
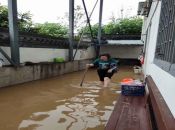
(105,57)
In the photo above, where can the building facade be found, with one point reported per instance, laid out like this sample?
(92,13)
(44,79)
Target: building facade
(159,46)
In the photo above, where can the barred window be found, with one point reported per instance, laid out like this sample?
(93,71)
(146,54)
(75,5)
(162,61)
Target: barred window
(165,48)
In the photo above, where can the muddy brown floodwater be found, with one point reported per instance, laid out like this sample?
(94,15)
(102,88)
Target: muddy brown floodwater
(60,103)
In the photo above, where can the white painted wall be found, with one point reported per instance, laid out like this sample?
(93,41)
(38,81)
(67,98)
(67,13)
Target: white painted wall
(123,51)
(36,55)
(164,81)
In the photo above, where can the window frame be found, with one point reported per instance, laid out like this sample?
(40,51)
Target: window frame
(167,46)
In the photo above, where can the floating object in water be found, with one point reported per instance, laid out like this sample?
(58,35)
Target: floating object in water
(137,69)
(127,80)
(132,87)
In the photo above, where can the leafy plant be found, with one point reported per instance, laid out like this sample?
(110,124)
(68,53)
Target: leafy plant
(87,32)
(52,29)
(79,18)
(25,22)
(24,19)
(127,26)
(3,16)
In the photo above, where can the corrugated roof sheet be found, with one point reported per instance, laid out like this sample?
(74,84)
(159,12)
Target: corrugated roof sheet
(124,42)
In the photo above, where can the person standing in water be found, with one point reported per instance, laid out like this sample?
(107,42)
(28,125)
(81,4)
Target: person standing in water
(106,67)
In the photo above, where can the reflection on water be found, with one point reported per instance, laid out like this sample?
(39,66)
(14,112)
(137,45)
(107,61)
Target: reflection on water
(77,113)
(60,103)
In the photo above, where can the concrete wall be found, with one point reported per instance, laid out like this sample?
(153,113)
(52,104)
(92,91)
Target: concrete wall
(36,55)
(11,76)
(124,51)
(164,81)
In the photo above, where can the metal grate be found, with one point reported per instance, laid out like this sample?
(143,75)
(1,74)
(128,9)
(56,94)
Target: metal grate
(165,49)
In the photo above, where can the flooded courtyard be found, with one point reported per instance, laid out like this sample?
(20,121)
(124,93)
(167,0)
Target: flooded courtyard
(60,103)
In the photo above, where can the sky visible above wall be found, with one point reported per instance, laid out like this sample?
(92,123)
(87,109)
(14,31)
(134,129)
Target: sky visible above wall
(51,10)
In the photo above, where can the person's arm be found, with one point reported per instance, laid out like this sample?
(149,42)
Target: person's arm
(113,66)
(89,65)
(95,63)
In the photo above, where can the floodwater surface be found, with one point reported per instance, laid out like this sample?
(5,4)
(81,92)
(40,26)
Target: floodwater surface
(60,103)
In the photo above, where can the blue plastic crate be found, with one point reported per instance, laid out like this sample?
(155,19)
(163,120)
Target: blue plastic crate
(133,90)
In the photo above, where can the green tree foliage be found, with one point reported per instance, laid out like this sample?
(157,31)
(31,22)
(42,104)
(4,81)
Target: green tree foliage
(52,29)
(112,28)
(86,30)
(79,18)
(127,26)
(3,16)
(25,24)
(24,20)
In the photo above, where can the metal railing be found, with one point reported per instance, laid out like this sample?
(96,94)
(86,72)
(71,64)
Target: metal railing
(165,48)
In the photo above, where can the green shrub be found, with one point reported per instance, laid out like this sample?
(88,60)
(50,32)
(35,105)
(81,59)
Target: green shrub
(52,29)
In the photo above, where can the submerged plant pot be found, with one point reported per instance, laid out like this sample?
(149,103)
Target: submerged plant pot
(58,60)
(137,69)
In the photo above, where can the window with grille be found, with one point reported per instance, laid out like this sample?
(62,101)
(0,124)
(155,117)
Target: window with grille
(165,48)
